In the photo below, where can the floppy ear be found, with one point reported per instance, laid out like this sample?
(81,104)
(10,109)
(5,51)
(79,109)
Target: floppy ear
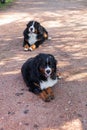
(40,29)
(27,24)
(37,62)
(54,75)
(54,60)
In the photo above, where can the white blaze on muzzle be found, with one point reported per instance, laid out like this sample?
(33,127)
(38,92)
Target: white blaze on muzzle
(48,71)
(32,28)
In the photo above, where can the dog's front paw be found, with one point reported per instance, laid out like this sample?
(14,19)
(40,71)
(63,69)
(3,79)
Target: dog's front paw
(44,96)
(50,93)
(30,49)
(33,47)
(26,47)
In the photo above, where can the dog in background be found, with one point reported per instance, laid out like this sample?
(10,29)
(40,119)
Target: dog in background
(34,35)
(40,75)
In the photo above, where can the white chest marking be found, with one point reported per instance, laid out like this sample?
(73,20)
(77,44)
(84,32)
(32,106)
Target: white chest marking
(49,83)
(32,38)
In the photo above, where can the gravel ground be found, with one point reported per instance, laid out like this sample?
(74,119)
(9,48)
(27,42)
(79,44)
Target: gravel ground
(66,22)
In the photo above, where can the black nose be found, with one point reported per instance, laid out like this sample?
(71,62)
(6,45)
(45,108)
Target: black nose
(47,71)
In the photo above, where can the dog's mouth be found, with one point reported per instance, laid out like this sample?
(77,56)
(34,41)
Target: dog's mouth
(31,29)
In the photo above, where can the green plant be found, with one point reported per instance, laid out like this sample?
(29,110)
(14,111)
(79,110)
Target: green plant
(6,3)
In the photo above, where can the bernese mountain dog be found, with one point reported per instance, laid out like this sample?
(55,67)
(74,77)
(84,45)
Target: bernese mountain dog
(34,35)
(40,75)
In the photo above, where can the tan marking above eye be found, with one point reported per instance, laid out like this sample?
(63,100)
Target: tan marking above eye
(42,70)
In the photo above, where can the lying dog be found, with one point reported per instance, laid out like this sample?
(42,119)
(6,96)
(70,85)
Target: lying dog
(40,75)
(34,35)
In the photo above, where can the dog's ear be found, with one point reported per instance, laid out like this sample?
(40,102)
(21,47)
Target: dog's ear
(37,62)
(53,58)
(54,61)
(40,29)
(28,24)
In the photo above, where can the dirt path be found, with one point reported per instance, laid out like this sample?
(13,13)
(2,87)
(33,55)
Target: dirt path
(66,22)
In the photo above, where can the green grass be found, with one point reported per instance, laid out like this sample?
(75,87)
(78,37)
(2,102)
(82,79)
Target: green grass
(6,4)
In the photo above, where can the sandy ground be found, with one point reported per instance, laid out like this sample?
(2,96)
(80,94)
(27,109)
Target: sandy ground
(66,22)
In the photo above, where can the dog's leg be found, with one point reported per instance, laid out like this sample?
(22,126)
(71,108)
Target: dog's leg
(50,92)
(44,96)
(26,47)
(39,42)
(33,47)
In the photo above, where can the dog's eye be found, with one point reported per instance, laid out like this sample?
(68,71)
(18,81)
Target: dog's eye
(44,64)
(49,63)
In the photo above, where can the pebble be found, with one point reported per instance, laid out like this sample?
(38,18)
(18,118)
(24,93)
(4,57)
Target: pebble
(2,118)
(26,124)
(79,115)
(26,111)
(18,94)
(66,109)
(11,113)
(22,89)
(20,123)
(36,126)
(61,116)
(69,102)
(18,102)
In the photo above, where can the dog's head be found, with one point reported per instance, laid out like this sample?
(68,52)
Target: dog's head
(34,27)
(46,64)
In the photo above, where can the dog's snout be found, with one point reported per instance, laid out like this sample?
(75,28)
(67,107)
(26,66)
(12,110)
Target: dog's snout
(48,71)
(31,29)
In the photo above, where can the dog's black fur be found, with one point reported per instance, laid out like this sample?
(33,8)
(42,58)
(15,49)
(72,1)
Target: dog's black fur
(39,33)
(33,71)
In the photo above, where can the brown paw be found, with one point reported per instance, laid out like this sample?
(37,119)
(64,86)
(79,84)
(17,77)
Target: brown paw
(26,47)
(50,93)
(33,47)
(44,96)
